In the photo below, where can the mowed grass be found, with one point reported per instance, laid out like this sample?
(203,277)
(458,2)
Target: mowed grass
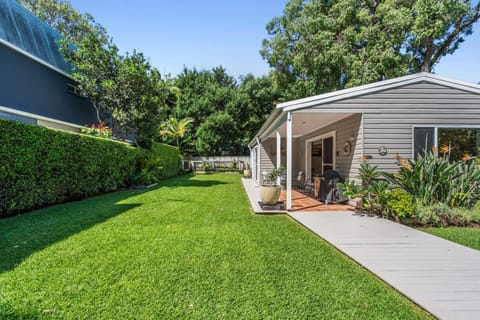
(189,249)
(469,237)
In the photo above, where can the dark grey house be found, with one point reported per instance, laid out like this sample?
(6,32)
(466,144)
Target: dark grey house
(379,122)
(35,82)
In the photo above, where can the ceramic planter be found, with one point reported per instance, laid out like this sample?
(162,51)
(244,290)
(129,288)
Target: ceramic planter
(270,194)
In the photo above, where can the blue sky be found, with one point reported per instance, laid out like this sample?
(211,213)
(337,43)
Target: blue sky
(208,33)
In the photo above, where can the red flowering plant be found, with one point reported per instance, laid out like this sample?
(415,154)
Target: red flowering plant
(100,130)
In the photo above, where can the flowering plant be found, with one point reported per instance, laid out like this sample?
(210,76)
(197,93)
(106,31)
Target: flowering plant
(100,130)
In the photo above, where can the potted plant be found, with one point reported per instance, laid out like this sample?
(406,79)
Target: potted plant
(270,190)
(247,173)
(354,192)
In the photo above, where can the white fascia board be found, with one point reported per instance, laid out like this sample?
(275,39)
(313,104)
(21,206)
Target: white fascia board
(265,125)
(38,117)
(378,86)
(32,57)
(281,119)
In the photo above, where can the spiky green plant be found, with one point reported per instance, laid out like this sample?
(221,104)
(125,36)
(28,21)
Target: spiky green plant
(434,179)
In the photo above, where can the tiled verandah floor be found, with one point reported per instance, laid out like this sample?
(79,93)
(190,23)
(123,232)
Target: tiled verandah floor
(300,202)
(304,202)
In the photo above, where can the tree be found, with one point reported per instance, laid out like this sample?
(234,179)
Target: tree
(60,15)
(94,64)
(260,96)
(126,88)
(136,97)
(204,94)
(175,128)
(438,29)
(218,135)
(318,46)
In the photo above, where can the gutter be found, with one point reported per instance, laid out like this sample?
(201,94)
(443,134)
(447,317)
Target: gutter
(273,116)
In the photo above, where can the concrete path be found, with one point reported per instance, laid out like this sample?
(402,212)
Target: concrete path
(441,276)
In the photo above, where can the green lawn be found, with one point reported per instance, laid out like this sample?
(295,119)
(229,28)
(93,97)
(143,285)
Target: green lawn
(188,249)
(469,237)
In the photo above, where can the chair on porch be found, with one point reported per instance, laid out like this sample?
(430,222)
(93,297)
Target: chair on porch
(298,182)
(309,187)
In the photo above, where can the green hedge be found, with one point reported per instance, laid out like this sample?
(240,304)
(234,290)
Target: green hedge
(40,166)
(168,158)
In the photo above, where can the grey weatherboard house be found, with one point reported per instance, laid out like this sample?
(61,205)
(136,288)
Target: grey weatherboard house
(35,82)
(375,121)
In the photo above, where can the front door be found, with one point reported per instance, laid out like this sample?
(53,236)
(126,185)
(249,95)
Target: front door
(320,155)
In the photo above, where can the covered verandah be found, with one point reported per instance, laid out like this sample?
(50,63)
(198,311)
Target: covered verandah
(307,142)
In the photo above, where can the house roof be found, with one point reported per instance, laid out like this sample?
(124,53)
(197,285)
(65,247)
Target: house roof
(375,87)
(24,32)
(279,114)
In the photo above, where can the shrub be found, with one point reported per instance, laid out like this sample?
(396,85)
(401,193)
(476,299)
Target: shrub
(400,204)
(41,166)
(432,179)
(167,158)
(441,215)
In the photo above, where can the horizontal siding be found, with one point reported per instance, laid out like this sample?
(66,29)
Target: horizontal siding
(267,158)
(344,129)
(389,117)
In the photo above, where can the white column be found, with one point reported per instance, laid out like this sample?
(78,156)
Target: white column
(257,164)
(279,153)
(289,161)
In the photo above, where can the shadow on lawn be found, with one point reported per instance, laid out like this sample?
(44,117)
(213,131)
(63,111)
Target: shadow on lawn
(23,235)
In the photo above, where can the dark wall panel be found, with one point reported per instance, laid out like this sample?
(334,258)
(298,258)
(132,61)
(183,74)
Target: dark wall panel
(29,86)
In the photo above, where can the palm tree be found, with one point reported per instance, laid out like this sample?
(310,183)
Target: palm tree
(175,128)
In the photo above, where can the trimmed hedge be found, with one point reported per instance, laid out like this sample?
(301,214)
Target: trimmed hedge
(168,158)
(41,166)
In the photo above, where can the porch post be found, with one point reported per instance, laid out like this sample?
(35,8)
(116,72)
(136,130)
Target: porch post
(257,164)
(279,153)
(289,161)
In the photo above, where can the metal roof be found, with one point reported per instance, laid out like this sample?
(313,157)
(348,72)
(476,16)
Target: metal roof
(22,30)
(278,114)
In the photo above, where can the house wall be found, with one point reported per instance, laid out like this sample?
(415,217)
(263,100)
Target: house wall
(29,86)
(268,154)
(389,116)
(344,129)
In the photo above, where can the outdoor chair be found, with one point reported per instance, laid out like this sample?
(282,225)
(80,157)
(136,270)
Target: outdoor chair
(298,182)
(309,187)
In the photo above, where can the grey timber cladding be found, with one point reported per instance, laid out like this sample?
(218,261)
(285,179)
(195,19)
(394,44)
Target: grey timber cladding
(390,115)
(344,129)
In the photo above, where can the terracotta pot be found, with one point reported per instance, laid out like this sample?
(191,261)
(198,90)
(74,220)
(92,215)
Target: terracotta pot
(270,194)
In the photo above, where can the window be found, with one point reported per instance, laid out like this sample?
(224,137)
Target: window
(75,90)
(423,139)
(461,140)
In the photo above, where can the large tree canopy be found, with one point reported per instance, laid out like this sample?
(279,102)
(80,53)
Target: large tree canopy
(319,45)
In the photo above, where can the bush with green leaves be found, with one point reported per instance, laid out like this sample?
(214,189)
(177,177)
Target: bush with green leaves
(41,166)
(441,215)
(167,158)
(400,204)
(432,179)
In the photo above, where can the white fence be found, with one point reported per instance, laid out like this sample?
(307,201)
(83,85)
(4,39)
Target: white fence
(196,163)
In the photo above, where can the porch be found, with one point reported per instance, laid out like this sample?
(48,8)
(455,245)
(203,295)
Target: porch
(300,201)
(308,144)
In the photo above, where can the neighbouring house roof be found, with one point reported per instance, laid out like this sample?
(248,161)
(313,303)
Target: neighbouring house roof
(23,31)
(279,115)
